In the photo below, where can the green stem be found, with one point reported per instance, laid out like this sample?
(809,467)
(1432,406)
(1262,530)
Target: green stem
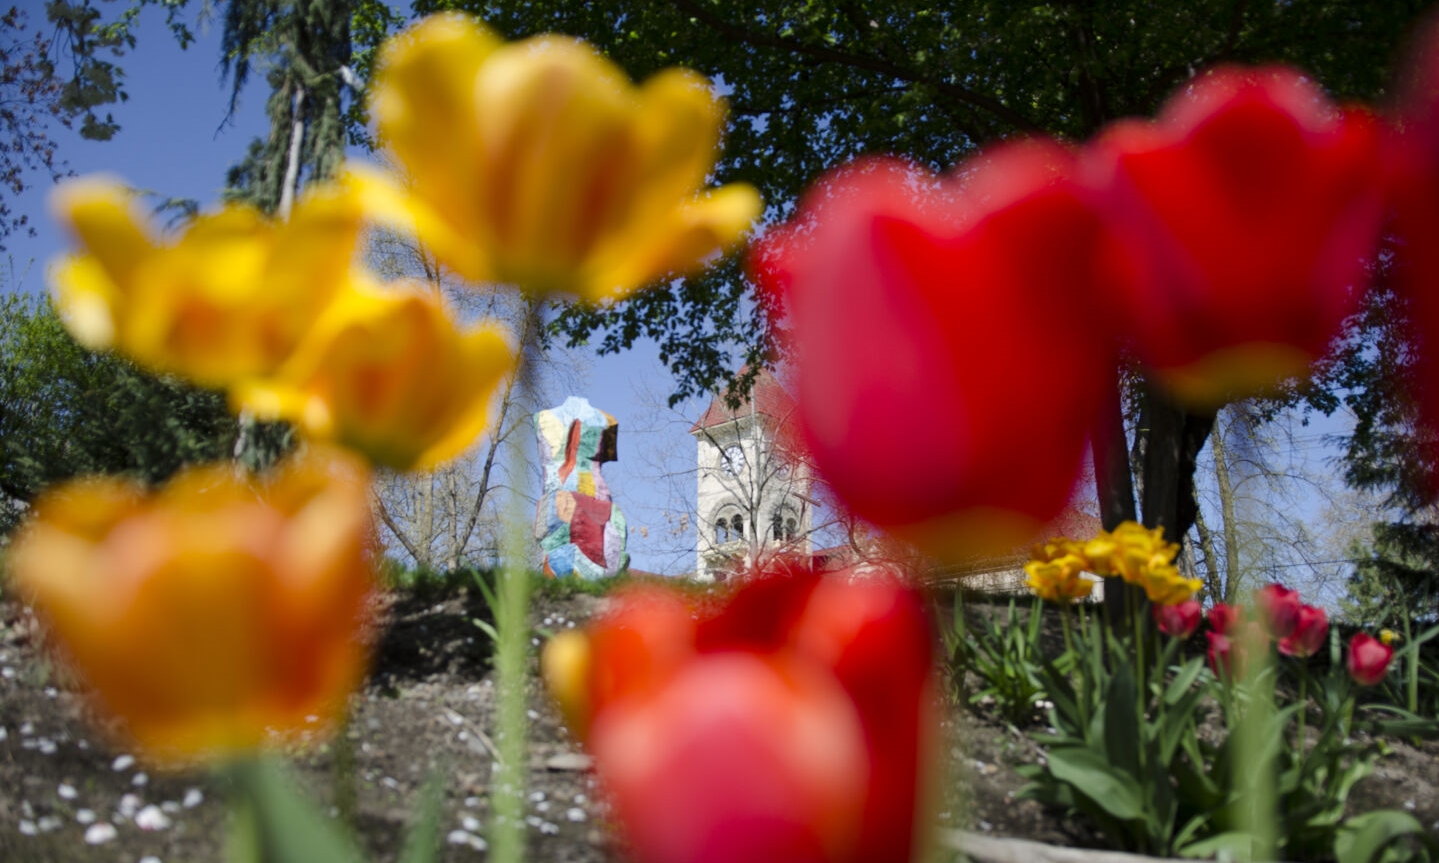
(507,828)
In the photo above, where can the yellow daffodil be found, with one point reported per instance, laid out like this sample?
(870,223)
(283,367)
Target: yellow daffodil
(386,373)
(229,300)
(539,164)
(1141,557)
(1059,580)
(215,612)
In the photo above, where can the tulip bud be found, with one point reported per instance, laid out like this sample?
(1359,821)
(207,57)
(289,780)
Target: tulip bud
(1178,620)
(1278,608)
(1311,625)
(1368,659)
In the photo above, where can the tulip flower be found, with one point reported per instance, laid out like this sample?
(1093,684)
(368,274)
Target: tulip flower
(213,613)
(1311,625)
(1141,557)
(958,311)
(1368,659)
(1250,209)
(387,374)
(228,301)
(787,724)
(1278,609)
(1178,620)
(1223,618)
(1059,579)
(539,164)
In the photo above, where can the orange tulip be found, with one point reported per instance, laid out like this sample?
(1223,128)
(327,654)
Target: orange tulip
(213,613)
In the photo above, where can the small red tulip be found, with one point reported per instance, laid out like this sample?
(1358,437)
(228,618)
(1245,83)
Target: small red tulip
(1278,609)
(1221,655)
(1223,618)
(1368,659)
(1250,209)
(1310,628)
(789,723)
(1179,620)
(960,305)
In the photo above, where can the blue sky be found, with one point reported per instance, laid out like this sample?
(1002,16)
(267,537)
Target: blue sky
(175,142)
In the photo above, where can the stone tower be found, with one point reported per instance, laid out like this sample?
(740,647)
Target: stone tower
(753,490)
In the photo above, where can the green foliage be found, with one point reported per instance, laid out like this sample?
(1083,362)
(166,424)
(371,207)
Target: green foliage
(66,411)
(1128,752)
(1006,655)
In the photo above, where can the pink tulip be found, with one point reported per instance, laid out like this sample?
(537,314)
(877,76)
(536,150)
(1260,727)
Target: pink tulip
(1223,618)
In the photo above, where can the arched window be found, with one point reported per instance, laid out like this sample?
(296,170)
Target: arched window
(776,528)
(790,530)
(737,525)
(721,532)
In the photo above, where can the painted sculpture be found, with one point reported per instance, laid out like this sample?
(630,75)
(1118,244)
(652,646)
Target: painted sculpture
(581,531)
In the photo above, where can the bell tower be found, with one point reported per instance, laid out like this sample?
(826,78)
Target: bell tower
(753,491)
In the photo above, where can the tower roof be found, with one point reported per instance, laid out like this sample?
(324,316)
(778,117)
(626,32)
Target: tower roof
(766,398)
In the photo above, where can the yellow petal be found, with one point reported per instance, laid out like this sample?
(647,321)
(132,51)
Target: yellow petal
(98,210)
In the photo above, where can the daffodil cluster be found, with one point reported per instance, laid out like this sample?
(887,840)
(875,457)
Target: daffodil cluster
(1132,552)
(1057,571)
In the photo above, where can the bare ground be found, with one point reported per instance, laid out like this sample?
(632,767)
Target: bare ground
(69,795)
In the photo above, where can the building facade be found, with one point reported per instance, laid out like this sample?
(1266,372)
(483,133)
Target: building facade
(753,496)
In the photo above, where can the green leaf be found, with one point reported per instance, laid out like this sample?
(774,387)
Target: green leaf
(1121,728)
(1090,774)
(423,839)
(1234,844)
(287,826)
(1363,837)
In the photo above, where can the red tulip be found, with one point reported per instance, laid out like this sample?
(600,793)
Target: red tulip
(1221,655)
(1310,627)
(1179,620)
(1250,208)
(789,723)
(1278,609)
(1223,618)
(947,342)
(1368,659)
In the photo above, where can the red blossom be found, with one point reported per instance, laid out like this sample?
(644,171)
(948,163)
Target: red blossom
(1278,609)
(1310,628)
(1368,659)
(1250,208)
(964,306)
(1179,620)
(787,723)
(1223,618)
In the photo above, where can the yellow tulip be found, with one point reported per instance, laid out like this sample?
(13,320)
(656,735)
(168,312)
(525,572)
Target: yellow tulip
(229,300)
(539,164)
(1140,556)
(386,373)
(214,613)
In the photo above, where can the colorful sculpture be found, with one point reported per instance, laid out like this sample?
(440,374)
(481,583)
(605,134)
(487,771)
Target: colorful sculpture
(580,529)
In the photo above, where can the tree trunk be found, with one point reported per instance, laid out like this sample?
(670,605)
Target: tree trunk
(1230,525)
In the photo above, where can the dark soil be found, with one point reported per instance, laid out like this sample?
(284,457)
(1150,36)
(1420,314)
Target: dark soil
(68,794)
